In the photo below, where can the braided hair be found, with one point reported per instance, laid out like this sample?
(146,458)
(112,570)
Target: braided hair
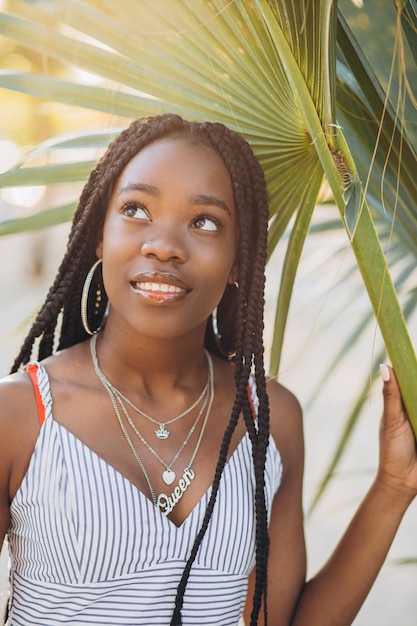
(240,310)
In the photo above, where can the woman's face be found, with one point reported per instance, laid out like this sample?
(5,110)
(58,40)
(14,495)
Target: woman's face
(169,239)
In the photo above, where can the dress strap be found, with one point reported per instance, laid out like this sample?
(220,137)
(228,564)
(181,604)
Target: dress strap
(33,369)
(253,397)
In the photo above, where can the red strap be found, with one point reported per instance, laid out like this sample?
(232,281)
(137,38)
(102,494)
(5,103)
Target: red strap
(32,371)
(252,406)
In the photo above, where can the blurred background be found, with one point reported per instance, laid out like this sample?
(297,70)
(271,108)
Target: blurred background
(323,314)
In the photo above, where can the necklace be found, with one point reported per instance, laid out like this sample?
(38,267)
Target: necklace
(164,502)
(161,432)
(168,475)
(167,503)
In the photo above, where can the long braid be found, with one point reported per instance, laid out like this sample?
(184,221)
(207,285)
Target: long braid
(253,341)
(254,328)
(258,288)
(244,324)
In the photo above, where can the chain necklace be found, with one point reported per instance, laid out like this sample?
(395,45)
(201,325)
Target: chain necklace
(129,441)
(168,475)
(166,503)
(161,432)
(163,501)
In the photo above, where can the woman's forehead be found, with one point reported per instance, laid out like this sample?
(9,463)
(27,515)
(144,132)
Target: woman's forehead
(173,161)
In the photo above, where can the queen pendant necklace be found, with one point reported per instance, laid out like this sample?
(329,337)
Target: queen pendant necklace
(162,432)
(164,502)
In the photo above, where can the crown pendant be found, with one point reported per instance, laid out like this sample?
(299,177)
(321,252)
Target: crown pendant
(162,432)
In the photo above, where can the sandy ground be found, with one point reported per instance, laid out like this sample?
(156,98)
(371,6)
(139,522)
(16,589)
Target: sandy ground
(28,264)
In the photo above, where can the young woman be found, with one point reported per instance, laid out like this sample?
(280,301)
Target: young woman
(149,474)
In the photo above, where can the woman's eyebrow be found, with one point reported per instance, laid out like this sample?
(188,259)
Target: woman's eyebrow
(204,199)
(200,198)
(150,189)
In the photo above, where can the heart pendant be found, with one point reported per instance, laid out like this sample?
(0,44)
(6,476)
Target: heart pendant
(168,476)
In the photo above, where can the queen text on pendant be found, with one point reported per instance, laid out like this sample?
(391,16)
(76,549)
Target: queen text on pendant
(167,503)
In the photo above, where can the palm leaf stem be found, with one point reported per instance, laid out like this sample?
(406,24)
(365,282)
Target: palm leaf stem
(364,239)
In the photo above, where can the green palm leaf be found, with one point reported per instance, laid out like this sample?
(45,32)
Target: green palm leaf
(38,221)
(46,174)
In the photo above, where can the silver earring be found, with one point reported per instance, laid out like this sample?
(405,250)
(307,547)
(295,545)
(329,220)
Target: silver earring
(84,300)
(218,337)
(215,326)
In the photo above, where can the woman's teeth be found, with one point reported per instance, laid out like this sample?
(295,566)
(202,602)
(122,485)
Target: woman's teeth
(159,287)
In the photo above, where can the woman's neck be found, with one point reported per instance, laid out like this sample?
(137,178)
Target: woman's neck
(152,367)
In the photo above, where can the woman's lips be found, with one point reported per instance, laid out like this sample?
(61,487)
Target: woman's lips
(159,288)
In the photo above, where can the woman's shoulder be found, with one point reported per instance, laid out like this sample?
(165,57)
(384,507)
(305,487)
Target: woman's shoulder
(20,419)
(17,394)
(283,401)
(17,397)
(19,429)
(286,423)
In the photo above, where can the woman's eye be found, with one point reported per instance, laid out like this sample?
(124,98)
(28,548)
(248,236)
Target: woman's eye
(206,223)
(135,210)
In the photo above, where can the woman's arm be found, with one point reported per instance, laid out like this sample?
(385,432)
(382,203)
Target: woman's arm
(335,594)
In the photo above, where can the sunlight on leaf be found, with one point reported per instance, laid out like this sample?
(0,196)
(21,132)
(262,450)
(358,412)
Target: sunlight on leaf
(353,200)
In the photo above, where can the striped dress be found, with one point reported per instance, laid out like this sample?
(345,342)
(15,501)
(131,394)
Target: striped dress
(87,547)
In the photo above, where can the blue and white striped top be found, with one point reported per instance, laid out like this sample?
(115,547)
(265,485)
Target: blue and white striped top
(87,547)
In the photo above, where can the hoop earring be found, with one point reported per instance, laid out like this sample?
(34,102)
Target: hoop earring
(218,337)
(84,300)
(215,326)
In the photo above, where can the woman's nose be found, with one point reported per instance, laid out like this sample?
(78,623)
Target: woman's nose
(166,245)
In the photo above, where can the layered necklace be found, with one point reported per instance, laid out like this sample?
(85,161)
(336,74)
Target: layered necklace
(163,501)
(161,432)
